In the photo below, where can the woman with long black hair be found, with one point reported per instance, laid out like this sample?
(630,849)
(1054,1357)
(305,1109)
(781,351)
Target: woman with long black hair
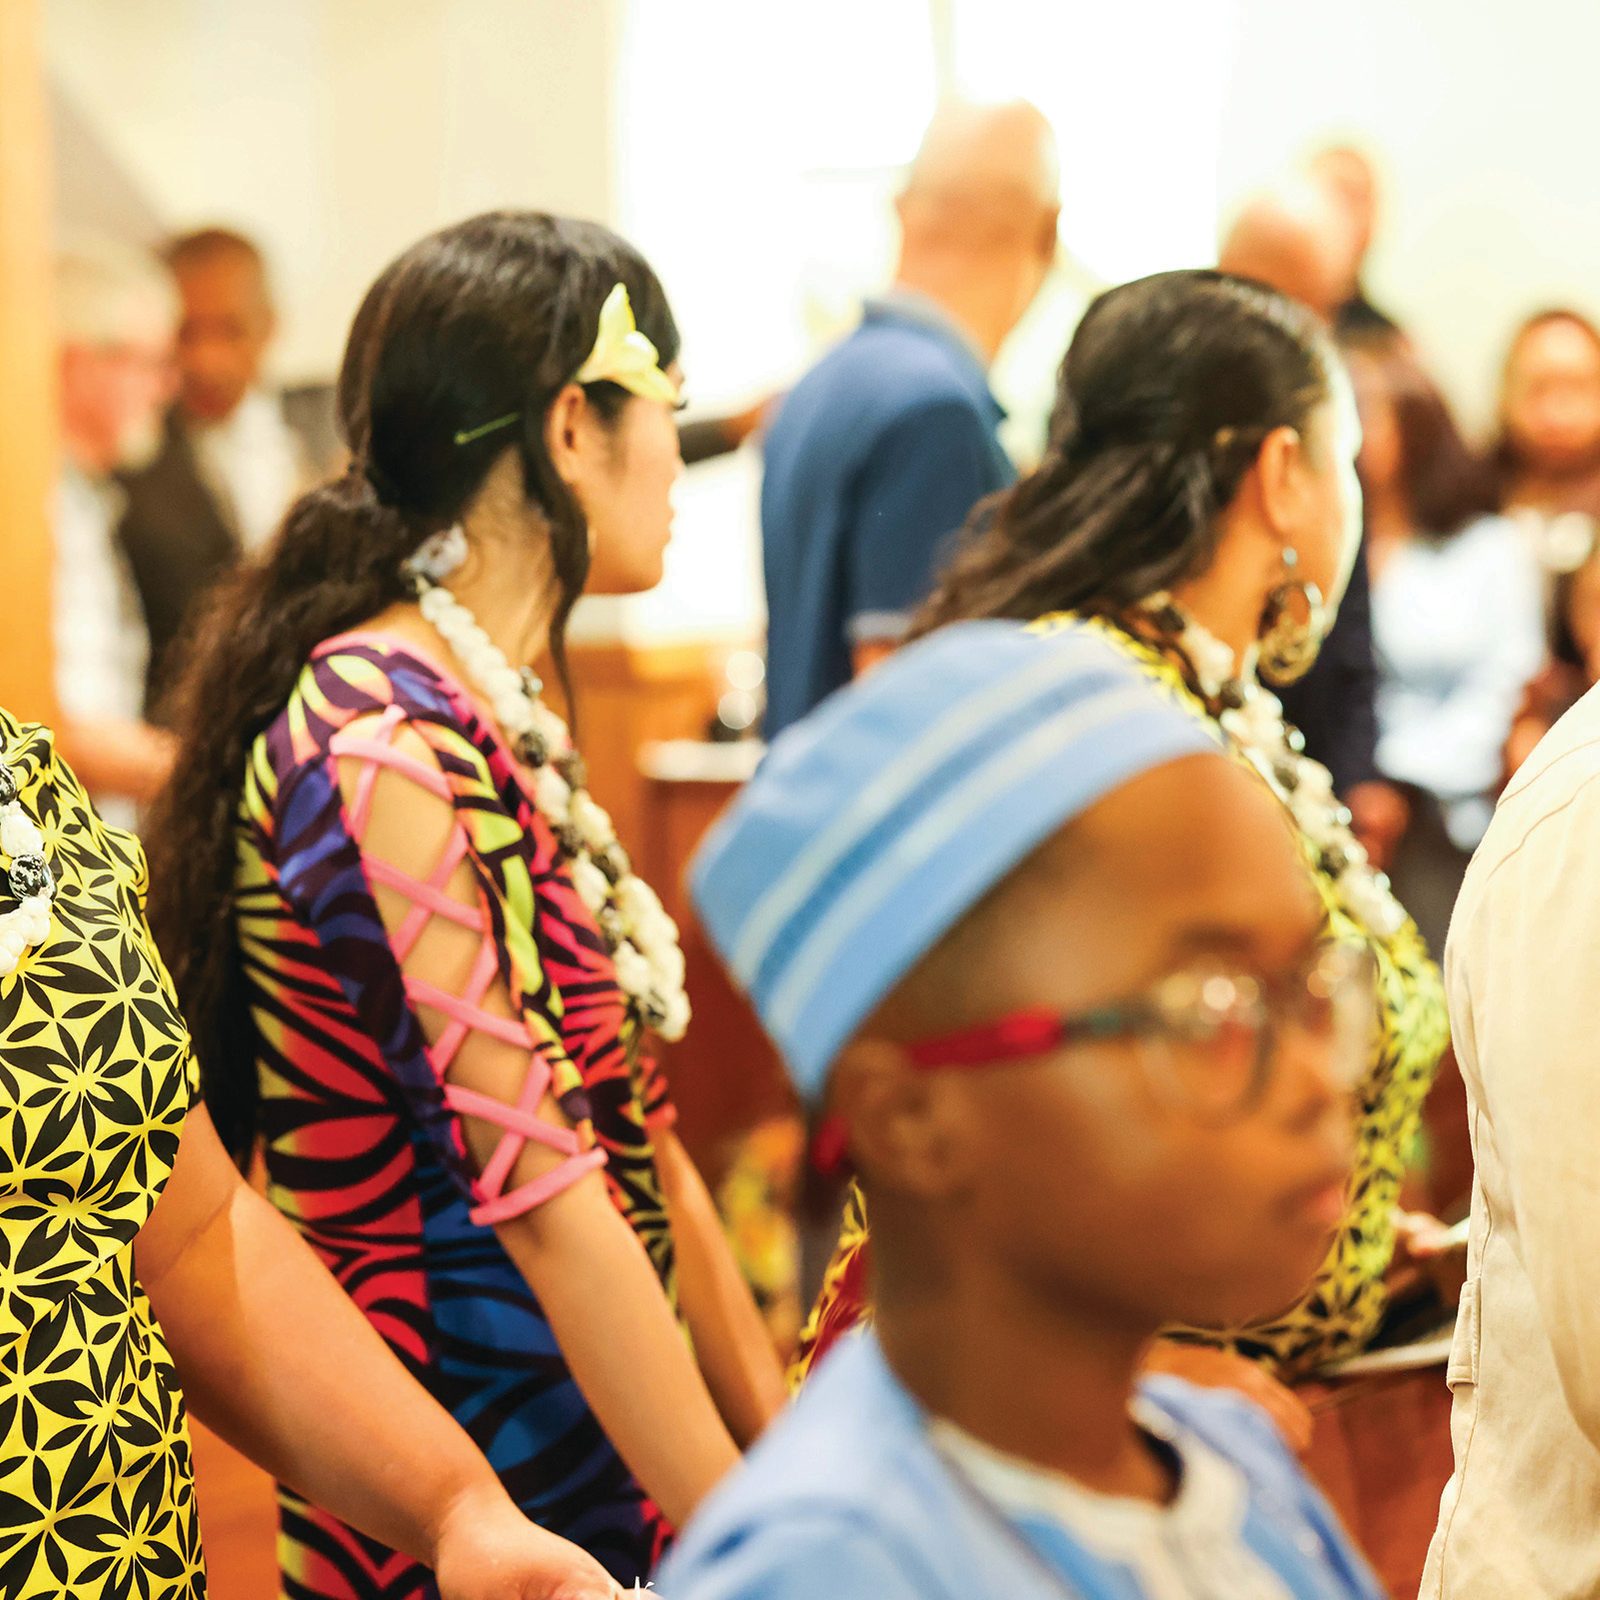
(1197,506)
(419,966)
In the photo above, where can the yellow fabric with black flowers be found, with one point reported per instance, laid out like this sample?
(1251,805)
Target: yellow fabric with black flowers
(96,1077)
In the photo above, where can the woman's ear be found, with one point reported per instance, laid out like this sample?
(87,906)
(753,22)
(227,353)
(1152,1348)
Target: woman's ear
(565,433)
(1280,472)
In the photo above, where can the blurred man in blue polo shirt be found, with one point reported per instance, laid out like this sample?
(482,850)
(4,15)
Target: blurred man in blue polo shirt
(883,449)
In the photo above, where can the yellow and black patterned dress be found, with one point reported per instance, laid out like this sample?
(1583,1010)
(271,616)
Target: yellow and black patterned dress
(96,1077)
(1341,1308)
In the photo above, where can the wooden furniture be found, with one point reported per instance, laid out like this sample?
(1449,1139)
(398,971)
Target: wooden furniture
(725,1075)
(1381,1453)
(27,367)
(628,695)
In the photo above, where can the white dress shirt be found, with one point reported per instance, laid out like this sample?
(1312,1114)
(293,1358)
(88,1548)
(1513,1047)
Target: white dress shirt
(253,465)
(101,646)
(1457,631)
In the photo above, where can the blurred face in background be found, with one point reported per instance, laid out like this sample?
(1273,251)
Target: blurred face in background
(113,394)
(1550,404)
(227,326)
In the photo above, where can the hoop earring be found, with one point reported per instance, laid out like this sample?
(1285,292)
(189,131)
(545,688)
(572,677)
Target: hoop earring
(1294,622)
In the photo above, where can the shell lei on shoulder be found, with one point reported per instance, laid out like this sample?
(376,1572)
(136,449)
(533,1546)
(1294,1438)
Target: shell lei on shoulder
(1251,717)
(642,938)
(27,873)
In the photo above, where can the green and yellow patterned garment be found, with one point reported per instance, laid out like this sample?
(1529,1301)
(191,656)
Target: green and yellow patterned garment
(96,1077)
(1341,1308)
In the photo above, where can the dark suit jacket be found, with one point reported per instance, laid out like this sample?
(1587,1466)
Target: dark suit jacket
(1335,704)
(178,543)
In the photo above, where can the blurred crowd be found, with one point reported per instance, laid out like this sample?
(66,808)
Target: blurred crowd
(1472,624)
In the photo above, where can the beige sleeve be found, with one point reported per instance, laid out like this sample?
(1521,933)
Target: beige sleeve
(1524,978)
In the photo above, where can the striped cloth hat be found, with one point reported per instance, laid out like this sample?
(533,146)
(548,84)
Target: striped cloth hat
(878,821)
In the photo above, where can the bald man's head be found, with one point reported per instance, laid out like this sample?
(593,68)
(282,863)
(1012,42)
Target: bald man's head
(1351,180)
(978,214)
(1296,239)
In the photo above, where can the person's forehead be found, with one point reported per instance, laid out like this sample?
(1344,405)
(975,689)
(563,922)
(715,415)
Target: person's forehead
(1561,343)
(224,275)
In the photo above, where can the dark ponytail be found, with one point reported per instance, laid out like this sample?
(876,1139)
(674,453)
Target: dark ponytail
(1166,393)
(480,322)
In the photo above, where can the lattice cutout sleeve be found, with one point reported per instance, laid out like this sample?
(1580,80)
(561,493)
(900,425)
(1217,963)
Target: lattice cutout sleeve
(528,1028)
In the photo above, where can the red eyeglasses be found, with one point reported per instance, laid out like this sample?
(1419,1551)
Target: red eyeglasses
(1207,1035)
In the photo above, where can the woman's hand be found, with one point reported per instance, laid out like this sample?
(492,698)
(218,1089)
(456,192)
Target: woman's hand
(1225,1369)
(487,1550)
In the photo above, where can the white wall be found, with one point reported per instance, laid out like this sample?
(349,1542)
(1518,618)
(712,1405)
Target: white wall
(339,131)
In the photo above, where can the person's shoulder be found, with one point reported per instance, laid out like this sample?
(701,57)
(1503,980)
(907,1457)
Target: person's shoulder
(883,374)
(807,1552)
(841,1471)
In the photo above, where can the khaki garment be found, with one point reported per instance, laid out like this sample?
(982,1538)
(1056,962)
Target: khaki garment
(1520,1518)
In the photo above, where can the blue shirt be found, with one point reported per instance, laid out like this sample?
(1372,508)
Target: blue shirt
(1458,630)
(850,1497)
(875,458)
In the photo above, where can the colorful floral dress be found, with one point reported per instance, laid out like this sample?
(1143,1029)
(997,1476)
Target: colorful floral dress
(365,1150)
(96,1078)
(1341,1308)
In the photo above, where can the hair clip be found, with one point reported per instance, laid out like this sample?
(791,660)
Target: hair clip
(469,435)
(623,355)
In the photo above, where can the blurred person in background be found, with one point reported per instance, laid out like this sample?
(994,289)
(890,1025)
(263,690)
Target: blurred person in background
(1351,181)
(1547,462)
(229,464)
(881,451)
(1573,664)
(116,314)
(1548,452)
(1296,238)
(1457,622)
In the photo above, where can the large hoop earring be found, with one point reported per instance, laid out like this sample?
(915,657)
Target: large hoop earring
(1294,622)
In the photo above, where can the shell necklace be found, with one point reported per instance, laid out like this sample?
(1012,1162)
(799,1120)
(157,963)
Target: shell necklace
(1252,718)
(28,875)
(642,938)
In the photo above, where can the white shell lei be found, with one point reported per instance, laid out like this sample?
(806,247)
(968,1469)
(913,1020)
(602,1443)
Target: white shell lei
(1252,718)
(643,939)
(28,875)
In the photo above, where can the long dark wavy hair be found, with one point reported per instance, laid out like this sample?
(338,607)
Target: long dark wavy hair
(1168,389)
(484,321)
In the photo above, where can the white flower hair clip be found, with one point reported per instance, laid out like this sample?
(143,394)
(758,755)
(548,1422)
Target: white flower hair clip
(623,355)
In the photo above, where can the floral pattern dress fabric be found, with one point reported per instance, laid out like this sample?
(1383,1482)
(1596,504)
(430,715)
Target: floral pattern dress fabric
(364,1155)
(1341,1308)
(96,1077)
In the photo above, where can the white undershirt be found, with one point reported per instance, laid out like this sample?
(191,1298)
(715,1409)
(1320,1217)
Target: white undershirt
(253,466)
(1191,1549)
